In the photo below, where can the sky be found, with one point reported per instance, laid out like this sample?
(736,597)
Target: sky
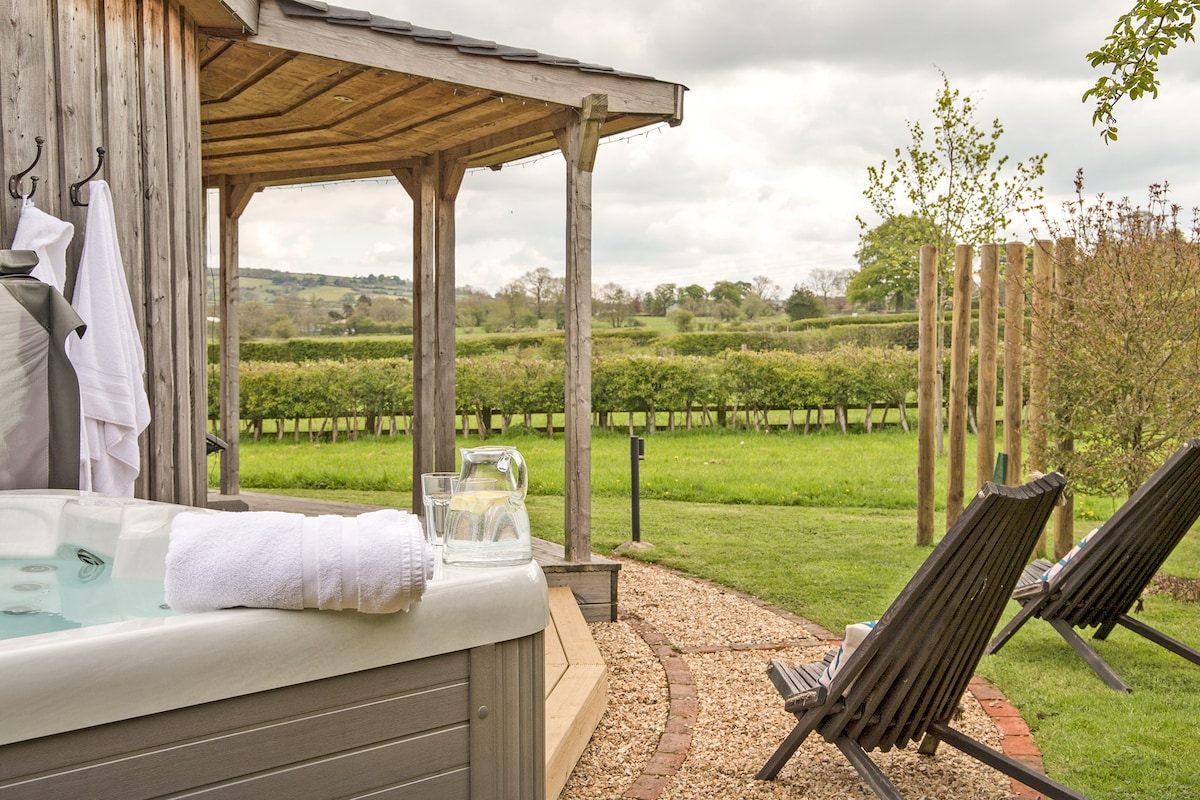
(789,103)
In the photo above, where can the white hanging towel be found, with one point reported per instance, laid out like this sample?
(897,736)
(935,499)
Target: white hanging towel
(109,360)
(48,236)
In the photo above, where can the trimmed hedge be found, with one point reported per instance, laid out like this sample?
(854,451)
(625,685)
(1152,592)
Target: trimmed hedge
(333,348)
(738,381)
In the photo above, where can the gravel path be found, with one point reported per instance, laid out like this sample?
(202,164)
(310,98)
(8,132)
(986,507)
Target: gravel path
(692,714)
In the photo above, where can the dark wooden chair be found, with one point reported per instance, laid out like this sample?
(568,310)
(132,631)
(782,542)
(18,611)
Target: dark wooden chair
(906,678)
(1103,580)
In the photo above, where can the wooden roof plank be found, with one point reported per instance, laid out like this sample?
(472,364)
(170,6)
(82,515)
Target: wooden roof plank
(565,85)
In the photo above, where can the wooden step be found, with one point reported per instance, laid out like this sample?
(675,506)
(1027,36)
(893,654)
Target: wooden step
(576,688)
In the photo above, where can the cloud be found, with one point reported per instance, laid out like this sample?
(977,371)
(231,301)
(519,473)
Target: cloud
(789,102)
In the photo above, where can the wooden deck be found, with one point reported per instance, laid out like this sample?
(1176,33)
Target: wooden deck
(576,676)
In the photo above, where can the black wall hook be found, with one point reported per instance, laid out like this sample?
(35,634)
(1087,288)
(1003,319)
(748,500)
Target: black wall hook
(14,181)
(75,187)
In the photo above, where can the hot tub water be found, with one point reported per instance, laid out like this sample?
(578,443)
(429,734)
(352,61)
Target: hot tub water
(72,589)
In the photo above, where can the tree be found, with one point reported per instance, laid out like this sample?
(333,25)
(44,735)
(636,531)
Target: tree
(753,306)
(544,289)
(955,185)
(614,303)
(682,319)
(471,306)
(826,281)
(693,297)
(802,304)
(392,309)
(1150,30)
(659,302)
(1125,341)
(731,291)
(765,289)
(889,261)
(510,309)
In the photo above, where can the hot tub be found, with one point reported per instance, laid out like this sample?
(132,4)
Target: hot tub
(122,698)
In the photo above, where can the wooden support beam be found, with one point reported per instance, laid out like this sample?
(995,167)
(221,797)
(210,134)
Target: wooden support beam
(234,198)
(595,109)
(577,484)
(450,176)
(421,184)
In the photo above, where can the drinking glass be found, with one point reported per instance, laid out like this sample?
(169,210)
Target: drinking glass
(436,488)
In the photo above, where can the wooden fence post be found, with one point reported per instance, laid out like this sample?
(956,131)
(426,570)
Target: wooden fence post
(1039,345)
(1064,515)
(960,369)
(1014,333)
(985,404)
(927,394)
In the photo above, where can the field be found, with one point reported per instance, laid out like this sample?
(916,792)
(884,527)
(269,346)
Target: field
(823,525)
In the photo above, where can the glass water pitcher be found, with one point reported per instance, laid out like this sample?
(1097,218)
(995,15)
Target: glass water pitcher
(486,524)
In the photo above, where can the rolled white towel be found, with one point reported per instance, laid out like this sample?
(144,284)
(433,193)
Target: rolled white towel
(377,563)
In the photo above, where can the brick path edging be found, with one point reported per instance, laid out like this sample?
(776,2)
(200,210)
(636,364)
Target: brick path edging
(1015,739)
(681,714)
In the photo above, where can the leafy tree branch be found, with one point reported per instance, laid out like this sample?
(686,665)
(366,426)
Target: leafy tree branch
(1149,31)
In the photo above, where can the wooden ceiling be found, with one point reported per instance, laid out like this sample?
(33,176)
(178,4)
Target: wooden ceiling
(278,107)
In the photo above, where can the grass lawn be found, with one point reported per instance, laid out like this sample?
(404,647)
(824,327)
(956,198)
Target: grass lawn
(823,525)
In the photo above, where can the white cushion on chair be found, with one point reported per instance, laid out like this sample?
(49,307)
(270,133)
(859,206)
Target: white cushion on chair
(854,636)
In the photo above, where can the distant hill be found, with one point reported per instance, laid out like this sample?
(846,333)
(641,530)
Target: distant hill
(265,285)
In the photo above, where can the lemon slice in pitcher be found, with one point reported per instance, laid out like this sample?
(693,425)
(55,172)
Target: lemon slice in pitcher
(477,503)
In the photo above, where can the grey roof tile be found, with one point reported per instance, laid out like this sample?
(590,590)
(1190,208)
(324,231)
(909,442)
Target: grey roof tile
(467,45)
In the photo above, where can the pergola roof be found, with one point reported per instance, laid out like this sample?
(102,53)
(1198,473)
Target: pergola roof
(319,92)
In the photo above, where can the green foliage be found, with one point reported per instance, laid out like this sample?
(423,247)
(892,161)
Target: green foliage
(1150,30)
(954,184)
(822,526)
(682,319)
(802,304)
(626,382)
(889,262)
(1125,340)
(360,349)
(659,302)
(806,336)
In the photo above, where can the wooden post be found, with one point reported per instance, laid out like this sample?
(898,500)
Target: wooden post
(927,395)
(1014,332)
(985,403)
(161,349)
(1039,348)
(1064,514)
(579,140)
(960,370)
(421,184)
(450,177)
(1039,332)
(233,201)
